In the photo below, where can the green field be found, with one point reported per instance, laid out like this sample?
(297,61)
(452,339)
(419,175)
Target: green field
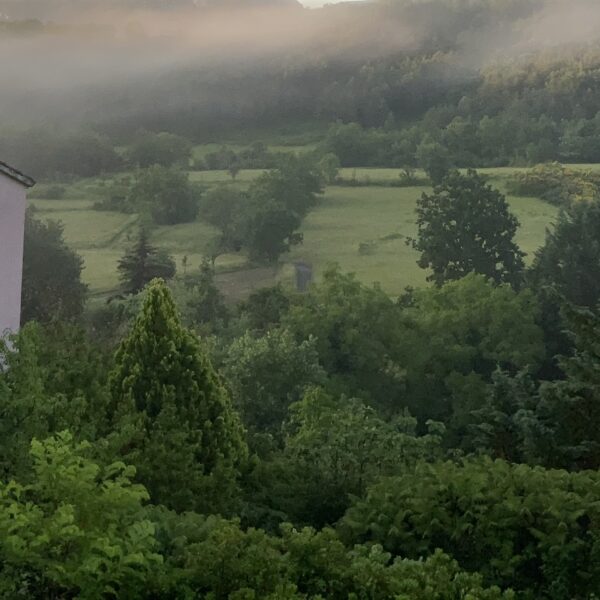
(382,219)
(363,229)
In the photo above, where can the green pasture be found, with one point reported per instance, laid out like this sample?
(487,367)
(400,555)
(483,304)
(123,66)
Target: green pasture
(102,237)
(364,229)
(92,229)
(365,176)
(100,269)
(63,205)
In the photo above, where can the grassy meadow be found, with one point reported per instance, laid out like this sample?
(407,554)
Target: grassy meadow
(364,229)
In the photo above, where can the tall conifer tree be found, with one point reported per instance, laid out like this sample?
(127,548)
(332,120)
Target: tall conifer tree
(176,421)
(142,263)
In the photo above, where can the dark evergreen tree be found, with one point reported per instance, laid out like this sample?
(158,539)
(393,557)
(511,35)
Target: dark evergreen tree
(563,432)
(500,425)
(567,268)
(570,259)
(466,226)
(176,422)
(142,263)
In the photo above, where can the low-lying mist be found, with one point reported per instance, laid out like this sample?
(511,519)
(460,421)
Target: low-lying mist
(89,64)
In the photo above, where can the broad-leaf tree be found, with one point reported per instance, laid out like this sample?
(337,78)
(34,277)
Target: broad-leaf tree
(465,227)
(202,302)
(277,203)
(341,446)
(212,557)
(268,373)
(271,228)
(75,528)
(223,208)
(455,337)
(166,194)
(165,149)
(52,286)
(434,159)
(358,335)
(529,529)
(53,378)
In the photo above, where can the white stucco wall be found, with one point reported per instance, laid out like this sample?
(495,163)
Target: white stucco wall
(12,221)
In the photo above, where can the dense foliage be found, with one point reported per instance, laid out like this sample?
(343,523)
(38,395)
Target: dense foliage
(52,286)
(556,183)
(465,226)
(173,417)
(570,260)
(335,443)
(163,149)
(53,154)
(528,528)
(165,194)
(265,219)
(79,527)
(126,462)
(436,102)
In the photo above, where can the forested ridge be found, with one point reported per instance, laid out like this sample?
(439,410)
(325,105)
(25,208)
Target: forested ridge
(488,83)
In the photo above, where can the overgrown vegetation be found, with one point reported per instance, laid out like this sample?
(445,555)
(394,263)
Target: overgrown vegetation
(182,430)
(325,416)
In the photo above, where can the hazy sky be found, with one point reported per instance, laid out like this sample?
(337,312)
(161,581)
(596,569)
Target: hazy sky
(321,2)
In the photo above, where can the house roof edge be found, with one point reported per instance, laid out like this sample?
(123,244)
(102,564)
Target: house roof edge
(16,175)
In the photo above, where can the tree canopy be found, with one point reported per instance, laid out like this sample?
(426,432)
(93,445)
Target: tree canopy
(465,227)
(52,286)
(570,259)
(179,427)
(165,194)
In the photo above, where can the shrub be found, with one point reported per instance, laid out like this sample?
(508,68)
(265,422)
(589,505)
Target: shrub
(556,184)
(530,529)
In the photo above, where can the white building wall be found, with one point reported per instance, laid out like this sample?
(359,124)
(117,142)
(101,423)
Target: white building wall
(12,222)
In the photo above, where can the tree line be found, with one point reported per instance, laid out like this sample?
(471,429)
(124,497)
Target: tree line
(393,111)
